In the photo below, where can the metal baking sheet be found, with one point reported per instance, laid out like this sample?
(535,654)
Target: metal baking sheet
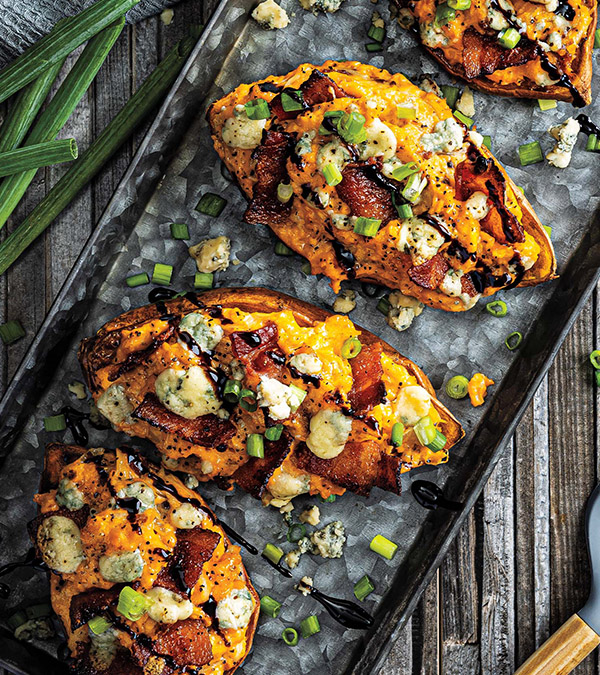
(174,167)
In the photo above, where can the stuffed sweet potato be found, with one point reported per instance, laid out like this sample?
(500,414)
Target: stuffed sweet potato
(255,388)
(144,579)
(369,177)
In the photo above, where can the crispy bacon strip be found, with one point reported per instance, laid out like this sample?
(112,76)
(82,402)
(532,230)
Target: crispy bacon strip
(271,160)
(186,642)
(429,274)
(91,603)
(207,430)
(483,55)
(134,359)
(194,548)
(468,286)
(318,88)
(364,194)
(359,467)
(254,475)
(259,350)
(367,388)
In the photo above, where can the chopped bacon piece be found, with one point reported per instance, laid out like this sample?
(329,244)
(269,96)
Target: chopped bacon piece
(254,475)
(258,350)
(364,194)
(194,548)
(483,55)
(359,467)
(89,604)
(429,274)
(318,88)
(186,642)
(207,430)
(467,286)
(134,359)
(368,389)
(271,160)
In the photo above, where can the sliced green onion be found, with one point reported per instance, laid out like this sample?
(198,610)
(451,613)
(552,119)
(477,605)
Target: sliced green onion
(99,625)
(274,433)
(310,626)
(497,308)
(530,153)
(548,230)
(55,423)
(368,227)
(444,14)
(257,109)
(374,47)
(459,4)
(290,636)
(595,358)
(293,101)
(406,113)
(180,231)
(546,103)
(203,280)
(232,390)
(273,553)
(376,33)
(11,331)
(593,143)
(38,611)
(335,114)
(457,387)
(404,171)
(438,442)
(597,38)
(413,188)
(487,141)
(509,38)
(351,127)
(132,605)
(255,446)
(463,118)
(306,268)
(250,405)
(328,500)
(425,430)
(282,249)
(269,606)
(211,204)
(332,174)
(300,395)
(513,340)
(284,192)
(162,274)
(351,348)
(363,587)
(296,532)
(384,306)
(450,94)
(597,375)
(137,280)
(397,434)
(383,546)
(404,211)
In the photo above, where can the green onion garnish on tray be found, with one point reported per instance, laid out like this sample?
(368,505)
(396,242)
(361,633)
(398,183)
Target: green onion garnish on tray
(383,546)
(136,280)
(292,100)
(255,445)
(464,119)
(376,33)
(328,500)
(296,532)
(132,605)
(55,423)
(593,143)
(232,391)
(269,606)
(11,331)
(597,38)
(497,308)
(162,274)
(595,358)
(99,625)
(332,174)
(457,387)
(38,611)
(513,340)
(530,153)
(509,37)
(310,626)
(272,553)
(180,231)
(211,204)
(368,227)
(203,280)
(351,348)
(257,109)
(274,433)
(290,636)
(363,587)
(597,377)
(450,94)
(384,305)
(282,249)
(15,620)
(546,103)
(548,230)
(374,47)
(397,434)
(487,141)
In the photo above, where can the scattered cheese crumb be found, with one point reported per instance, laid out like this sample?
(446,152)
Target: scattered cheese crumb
(269,15)
(345,302)
(77,389)
(466,103)
(428,84)
(211,255)
(166,16)
(304,586)
(312,516)
(403,310)
(565,135)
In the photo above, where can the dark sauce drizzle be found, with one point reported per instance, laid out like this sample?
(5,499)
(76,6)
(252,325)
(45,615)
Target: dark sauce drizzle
(345,612)
(278,566)
(344,258)
(74,421)
(269,87)
(30,560)
(430,496)
(587,126)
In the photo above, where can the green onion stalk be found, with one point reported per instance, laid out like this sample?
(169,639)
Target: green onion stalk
(35,156)
(102,149)
(58,111)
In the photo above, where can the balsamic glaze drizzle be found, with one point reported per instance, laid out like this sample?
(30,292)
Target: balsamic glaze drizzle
(345,612)
(345,258)
(277,566)
(430,496)
(587,126)
(74,421)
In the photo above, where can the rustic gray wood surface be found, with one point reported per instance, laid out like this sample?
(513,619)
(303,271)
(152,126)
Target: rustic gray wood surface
(518,568)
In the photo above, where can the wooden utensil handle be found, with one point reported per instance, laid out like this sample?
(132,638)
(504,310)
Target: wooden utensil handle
(564,650)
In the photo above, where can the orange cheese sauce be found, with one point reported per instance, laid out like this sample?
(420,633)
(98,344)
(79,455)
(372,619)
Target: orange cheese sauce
(109,531)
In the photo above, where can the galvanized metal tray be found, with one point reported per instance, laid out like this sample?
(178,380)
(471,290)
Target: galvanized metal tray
(173,168)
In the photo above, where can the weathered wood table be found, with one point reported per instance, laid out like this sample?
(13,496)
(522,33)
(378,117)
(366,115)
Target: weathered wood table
(519,566)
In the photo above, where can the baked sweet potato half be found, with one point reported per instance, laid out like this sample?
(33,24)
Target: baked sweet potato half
(369,177)
(144,579)
(539,49)
(255,388)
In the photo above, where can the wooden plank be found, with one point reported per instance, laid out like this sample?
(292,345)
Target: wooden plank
(399,661)
(426,631)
